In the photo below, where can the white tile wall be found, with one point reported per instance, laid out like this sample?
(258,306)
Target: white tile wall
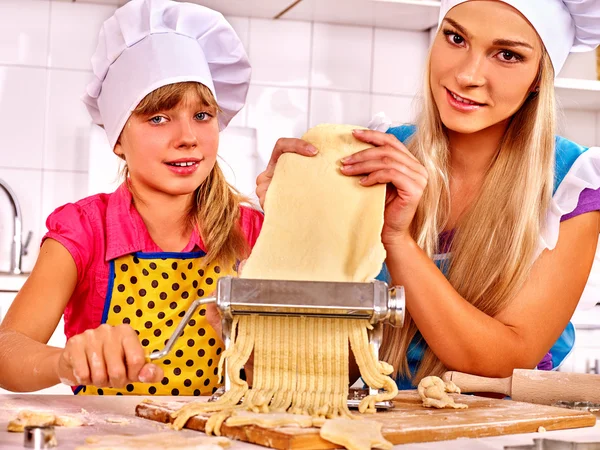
(339,107)
(399,61)
(400,109)
(67,121)
(45,49)
(22,115)
(304,73)
(24,32)
(342,57)
(74,33)
(60,187)
(280,52)
(276,112)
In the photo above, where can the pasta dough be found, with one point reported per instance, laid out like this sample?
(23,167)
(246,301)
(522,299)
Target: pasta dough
(27,418)
(432,391)
(319,226)
(353,436)
(241,418)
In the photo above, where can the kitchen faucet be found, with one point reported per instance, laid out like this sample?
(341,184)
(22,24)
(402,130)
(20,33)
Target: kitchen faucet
(18,249)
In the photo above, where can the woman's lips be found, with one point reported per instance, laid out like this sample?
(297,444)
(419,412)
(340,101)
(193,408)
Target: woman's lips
(461,104)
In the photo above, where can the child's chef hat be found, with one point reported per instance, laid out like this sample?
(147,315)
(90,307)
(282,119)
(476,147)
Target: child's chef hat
(148,44)
(564,26)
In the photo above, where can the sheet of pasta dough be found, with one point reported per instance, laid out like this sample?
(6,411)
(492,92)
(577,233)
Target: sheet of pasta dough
(320,225)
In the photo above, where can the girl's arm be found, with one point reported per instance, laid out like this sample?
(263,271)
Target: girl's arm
(468,340)
(105,356)
(29,364)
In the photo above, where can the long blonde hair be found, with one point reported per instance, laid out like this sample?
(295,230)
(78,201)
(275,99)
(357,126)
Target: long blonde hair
(215,211)
(495,241)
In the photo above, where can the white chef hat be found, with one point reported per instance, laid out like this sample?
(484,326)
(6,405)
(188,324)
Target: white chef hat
(148,44)
(564,26)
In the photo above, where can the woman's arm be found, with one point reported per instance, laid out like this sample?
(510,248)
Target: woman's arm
(29,364)
(468,340)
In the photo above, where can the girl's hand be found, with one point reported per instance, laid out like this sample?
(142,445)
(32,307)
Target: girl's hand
(391,163)
(213,317)
(106,357)
(283,145)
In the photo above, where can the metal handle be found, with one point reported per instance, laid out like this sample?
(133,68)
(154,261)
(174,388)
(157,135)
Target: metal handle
(184,321)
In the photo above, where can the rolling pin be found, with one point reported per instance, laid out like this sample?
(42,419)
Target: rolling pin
(534,386)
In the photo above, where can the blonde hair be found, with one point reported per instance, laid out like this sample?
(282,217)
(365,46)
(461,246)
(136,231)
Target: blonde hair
(494,242)
(215,212)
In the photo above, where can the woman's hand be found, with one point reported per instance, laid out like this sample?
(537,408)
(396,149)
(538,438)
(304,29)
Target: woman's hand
(283,145)
(389,162)
(106,357)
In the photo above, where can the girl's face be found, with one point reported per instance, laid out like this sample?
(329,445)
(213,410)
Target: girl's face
(484,64)
(171,151)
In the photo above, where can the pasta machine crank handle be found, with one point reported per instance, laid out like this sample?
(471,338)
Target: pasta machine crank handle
(188,315)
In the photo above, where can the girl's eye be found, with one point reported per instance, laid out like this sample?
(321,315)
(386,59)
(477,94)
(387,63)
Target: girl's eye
(156,120)
(202,116)
(508,56)
(453,37)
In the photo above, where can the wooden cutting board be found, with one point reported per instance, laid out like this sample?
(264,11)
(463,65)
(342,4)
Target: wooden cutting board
(407,423)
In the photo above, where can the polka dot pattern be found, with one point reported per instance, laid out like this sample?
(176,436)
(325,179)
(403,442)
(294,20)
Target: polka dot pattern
(152,295)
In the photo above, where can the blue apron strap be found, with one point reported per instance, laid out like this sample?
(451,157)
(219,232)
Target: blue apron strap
(563,346)
(384,275)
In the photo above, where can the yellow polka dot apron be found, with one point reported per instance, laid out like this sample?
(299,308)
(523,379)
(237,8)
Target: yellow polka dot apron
(151,292)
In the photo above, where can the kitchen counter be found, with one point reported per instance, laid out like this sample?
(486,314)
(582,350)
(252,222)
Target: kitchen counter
(97,409)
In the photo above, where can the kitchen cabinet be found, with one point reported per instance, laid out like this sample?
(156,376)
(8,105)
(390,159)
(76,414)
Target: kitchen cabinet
(266,9)
(574,93)
(417,15)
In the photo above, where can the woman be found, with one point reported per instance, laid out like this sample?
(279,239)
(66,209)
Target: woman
(471,189)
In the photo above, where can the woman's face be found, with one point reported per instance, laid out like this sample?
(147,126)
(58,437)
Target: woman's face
(484,64)
(172,151)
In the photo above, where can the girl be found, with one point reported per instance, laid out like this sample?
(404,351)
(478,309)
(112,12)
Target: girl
(482,188)
(125,266)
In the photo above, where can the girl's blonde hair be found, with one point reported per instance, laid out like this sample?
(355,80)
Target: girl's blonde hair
(215,211)
(494,243)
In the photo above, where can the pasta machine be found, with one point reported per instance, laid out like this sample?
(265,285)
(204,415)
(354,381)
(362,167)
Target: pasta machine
(373,301)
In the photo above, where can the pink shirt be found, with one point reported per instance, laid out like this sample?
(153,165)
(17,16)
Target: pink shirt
(103,227)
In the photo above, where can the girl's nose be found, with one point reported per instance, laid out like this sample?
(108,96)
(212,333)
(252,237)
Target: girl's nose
(187,137)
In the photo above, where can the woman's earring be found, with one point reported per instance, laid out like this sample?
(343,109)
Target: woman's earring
(535,92)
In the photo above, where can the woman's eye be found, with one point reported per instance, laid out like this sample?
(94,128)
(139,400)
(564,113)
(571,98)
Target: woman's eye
(509,56)
(457,39)
(202,116)
(453,37)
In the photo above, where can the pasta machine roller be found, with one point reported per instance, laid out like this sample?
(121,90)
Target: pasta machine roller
(373,301)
